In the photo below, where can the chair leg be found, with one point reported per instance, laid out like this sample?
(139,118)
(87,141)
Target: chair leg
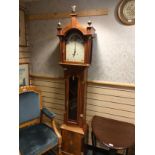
(93,142)
(59,149)
(126,152)
(112,152)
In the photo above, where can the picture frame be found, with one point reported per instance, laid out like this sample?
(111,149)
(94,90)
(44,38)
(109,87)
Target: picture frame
(126,12)
(23,74)
(22,27)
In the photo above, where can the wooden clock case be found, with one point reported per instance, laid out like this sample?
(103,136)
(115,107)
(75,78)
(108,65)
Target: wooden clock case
(74,130)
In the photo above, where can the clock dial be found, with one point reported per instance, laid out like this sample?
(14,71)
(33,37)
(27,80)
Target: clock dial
(129,10)
(75,48)
(126,12)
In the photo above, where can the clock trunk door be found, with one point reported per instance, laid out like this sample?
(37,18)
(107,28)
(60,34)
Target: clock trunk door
(73,99)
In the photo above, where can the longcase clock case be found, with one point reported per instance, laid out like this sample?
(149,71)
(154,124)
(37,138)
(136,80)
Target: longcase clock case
(75,58)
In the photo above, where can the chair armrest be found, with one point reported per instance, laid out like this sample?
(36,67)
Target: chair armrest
(49,114)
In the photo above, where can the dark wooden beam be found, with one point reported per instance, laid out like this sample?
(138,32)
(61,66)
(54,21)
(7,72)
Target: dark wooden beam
(50,16)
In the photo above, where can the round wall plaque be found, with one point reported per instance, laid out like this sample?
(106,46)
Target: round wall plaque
(126,12)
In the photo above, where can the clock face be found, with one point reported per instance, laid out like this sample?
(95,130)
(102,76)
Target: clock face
(126,12)
(75,48)
(129,10)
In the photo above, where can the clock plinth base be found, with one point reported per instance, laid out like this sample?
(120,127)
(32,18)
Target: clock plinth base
(73,139)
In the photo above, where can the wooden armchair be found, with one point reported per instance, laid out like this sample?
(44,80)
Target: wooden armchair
(35,137)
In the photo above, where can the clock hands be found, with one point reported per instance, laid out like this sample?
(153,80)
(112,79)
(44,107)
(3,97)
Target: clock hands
(74,49)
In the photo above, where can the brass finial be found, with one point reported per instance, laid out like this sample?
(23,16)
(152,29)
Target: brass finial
(89,22)
(59,24)
(73,8)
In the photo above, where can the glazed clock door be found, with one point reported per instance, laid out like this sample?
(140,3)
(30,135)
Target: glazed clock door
(75,51)
(73,99)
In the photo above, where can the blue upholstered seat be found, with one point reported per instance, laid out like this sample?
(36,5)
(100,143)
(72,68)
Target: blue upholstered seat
(36,139)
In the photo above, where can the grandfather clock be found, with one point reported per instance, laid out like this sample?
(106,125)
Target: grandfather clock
(75,58)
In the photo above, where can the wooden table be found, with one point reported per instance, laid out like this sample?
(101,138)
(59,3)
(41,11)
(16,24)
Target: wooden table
(116,135)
